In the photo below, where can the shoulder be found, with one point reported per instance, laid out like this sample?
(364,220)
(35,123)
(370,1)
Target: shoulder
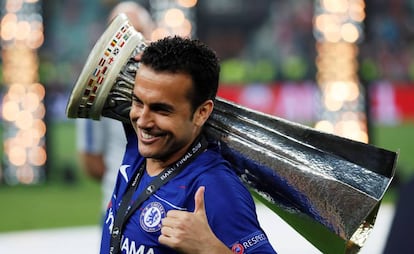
(223,186)
(230,207)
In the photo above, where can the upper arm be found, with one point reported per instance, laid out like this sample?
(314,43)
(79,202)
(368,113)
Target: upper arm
(231,213)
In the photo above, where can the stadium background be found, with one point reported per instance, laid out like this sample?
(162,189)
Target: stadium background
(267,52)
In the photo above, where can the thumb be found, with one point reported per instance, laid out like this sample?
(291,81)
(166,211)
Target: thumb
(199,200)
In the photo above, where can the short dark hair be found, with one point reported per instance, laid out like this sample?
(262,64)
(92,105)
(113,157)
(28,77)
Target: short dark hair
(190,56)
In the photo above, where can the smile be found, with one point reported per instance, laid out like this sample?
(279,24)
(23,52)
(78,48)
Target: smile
(147,135)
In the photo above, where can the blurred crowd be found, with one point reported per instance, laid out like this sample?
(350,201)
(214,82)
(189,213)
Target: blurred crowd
(387,50)
(257,43)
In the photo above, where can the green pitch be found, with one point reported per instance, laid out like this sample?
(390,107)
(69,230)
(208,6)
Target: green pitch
(69,198)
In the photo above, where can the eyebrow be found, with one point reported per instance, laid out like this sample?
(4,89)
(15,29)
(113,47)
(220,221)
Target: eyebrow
(156,106)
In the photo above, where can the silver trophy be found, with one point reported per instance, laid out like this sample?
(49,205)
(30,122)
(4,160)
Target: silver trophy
(328,188)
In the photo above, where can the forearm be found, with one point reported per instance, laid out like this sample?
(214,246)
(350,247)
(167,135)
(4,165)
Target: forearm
(93,165)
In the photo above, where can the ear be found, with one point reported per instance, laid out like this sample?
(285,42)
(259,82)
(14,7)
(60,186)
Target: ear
(203,112)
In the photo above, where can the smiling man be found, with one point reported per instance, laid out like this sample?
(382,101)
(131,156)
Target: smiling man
(163,117)
(174,192)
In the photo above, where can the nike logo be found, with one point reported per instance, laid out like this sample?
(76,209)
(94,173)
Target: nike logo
(122,169)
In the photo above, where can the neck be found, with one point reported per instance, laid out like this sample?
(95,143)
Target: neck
(154,167)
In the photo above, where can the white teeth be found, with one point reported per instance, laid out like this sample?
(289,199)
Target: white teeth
(146,135)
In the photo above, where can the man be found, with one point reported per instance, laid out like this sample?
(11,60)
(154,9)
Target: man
(101,143)
(174,192)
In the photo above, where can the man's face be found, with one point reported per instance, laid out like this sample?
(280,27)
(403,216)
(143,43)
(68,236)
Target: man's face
(162,116)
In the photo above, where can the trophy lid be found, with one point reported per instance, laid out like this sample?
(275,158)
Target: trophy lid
(111,52)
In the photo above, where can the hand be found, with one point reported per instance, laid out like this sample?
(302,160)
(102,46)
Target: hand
(189,232)
(138,57)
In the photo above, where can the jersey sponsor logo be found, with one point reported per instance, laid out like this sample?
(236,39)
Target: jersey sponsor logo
(130,247)
(249,243)
(110,220)
(151,215)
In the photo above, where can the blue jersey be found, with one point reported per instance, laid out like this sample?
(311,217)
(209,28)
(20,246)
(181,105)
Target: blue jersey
(229,206)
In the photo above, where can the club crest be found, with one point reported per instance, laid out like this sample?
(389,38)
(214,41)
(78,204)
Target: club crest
(151,216)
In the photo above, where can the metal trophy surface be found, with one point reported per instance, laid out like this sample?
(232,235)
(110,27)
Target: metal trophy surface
(326,187)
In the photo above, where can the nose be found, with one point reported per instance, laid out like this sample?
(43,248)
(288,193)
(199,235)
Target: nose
(144,117)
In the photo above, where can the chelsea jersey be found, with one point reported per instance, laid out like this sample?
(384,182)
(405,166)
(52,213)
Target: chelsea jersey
(229,205)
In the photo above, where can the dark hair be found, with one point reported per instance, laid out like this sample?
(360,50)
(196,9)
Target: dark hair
(189,56)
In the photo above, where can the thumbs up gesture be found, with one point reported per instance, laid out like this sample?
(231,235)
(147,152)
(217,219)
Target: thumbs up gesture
(189,232)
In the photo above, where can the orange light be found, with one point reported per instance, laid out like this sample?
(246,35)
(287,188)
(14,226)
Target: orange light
(14,5)
(349,33)
(174,17)
(159,33)
(187,3)
(17,156)
(37,156)
(324,126)
(10,110)
(23,109)
(25,174)
(8,26)
(338,30)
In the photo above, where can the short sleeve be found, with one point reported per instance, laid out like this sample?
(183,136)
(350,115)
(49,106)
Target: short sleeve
(232,214)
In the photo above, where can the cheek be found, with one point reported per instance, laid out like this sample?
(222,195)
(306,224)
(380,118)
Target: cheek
(133,119)
(134,115)
(186,127)
(177,126)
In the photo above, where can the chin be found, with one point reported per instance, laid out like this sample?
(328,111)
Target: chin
(146,153)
